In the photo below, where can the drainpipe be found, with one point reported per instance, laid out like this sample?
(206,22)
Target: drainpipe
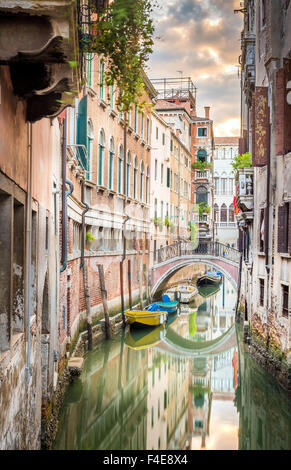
(83,224)
(65,226)
(29,248)
(65,194)
(267,231)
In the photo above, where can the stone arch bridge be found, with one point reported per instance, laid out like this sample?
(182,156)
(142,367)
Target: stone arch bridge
(169,259)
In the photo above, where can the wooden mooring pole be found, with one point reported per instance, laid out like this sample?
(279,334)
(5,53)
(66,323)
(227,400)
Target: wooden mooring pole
(88,306)
(104,301)
(122,293)
(129,283)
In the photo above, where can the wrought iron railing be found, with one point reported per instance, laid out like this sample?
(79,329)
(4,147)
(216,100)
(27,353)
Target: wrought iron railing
(180,249)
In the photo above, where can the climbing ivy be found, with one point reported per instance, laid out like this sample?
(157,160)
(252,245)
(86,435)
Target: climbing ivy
(123,34)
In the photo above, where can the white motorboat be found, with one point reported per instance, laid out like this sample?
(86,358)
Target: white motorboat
(182,292)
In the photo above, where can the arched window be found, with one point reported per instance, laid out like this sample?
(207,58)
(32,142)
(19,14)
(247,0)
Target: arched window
(231,213)
(135,170)
(202,155)
(128,165)
(141,180)
(201,195)
(90,137)
(216,213)
(101,79)
(147,183)
(223,213)
(111,163)
(120,168)
(101,150)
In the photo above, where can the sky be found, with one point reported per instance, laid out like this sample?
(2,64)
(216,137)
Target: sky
(202,39)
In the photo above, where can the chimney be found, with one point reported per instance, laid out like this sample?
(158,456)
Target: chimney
(207,112)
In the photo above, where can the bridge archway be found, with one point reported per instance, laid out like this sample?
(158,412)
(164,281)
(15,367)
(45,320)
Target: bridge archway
(175,345)
(186,262)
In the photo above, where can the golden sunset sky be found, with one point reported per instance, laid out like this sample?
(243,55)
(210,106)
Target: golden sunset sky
(202,39)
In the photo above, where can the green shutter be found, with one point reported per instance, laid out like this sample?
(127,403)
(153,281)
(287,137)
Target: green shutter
(127,179)
(168,178)
(134,183)
(119,174)
(100,166)
(82,130)
(110,170)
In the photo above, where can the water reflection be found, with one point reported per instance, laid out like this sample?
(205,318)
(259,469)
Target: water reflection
(188,386)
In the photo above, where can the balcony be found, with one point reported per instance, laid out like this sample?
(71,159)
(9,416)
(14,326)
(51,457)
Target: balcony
(43,55)
(201,175)
(245,192)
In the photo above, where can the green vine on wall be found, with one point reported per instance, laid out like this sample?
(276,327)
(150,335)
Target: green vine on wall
(123,34)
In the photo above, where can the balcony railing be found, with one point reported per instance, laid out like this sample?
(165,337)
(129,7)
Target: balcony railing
(210,248)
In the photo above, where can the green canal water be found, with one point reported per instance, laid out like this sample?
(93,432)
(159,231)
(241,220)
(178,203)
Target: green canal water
(186,386)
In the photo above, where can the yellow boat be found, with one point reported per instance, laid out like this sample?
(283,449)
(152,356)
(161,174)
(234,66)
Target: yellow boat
(144,338)
(137,317)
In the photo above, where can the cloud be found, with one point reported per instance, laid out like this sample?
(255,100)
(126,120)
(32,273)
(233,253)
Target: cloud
(202,38)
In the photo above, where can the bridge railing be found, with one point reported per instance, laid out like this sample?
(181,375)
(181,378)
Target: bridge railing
(179,249)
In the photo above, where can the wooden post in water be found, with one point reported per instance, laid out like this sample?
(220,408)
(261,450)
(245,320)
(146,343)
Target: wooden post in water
(146,282)
(104,301)
(88,306)
(122,294)
(129,283)
(140,282)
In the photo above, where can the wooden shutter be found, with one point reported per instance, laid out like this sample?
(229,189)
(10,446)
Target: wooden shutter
(283,109)
(282,232)
(289,228)
(168,178)
(261,119)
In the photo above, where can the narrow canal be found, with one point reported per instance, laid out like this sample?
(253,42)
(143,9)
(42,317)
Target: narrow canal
(188,386)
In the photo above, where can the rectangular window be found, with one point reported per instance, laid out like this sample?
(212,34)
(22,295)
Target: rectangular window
(148,130)
(90,58)
(12,239)
(262,292)
(171,145)
(112,94)
(162,173)
(135,119)
(163,139)
(168,178)
(156,170)
(284,228)
(202,131)
(285,298)
(156,208)
(142,125)
(101,80)
(176,183)
(157,133)
(162,210)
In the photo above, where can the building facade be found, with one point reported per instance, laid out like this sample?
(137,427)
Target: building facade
(176,103)
(161,231)
(33,87)
(264,190)
(202,163)
(225,224)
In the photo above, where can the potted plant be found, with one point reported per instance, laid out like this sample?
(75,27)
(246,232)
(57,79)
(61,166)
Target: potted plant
(201,166)
(89,237)
(167,222)
(243,160)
